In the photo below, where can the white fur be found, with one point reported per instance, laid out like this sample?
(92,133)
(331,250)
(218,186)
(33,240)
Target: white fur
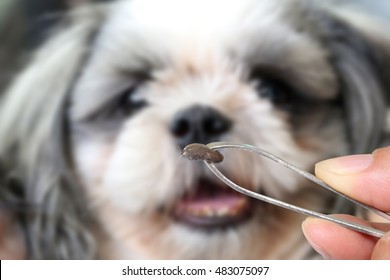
(141,169)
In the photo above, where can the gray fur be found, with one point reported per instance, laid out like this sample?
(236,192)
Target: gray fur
(364,80)
(34,154)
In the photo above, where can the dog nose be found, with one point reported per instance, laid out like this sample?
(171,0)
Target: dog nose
(199,124)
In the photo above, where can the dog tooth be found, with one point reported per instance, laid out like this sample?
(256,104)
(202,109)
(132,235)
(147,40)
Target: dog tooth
(208,212)
(222,212)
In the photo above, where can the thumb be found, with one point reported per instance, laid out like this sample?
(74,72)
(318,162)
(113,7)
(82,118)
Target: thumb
(363,177)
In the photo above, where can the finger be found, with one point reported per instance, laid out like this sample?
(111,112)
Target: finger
(382,248)
(364,177)
(335,242)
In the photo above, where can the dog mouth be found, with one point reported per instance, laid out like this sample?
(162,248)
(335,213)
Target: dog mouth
(212,205)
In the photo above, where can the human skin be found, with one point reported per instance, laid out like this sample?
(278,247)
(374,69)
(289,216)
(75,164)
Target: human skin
(367,179)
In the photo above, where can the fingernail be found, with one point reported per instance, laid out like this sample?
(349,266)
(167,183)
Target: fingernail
(346,165)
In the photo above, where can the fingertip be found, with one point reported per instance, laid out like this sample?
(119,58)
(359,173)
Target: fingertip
(340,173)
(346,165)
(382,248)
(332,241)
(311,228)
(364,177)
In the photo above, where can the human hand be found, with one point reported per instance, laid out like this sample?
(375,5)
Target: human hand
(367,179)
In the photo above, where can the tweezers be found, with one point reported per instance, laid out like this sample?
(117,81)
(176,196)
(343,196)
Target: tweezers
(209,155)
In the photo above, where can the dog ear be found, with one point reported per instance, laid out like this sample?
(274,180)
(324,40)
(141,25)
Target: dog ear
(361,57)
(360,54)
(34,147)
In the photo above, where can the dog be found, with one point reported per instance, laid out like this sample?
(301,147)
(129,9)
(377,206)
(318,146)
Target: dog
(92,130)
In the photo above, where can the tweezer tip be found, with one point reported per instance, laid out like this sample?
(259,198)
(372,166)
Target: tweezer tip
(197,151)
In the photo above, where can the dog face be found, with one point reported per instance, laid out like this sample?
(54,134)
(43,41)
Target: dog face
(140,83)
(166,80)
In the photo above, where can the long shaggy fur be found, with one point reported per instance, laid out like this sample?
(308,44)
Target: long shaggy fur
(84,182)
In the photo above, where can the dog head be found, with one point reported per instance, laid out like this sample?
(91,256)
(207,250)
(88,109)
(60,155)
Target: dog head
(94,127)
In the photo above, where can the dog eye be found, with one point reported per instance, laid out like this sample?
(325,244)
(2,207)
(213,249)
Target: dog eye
(285,97)
(130,101)
(123,104)
(278,93)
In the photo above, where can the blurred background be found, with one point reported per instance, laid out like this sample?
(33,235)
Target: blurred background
(24,24)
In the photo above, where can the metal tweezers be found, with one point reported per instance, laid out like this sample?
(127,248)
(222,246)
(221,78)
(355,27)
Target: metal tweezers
(210,155)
